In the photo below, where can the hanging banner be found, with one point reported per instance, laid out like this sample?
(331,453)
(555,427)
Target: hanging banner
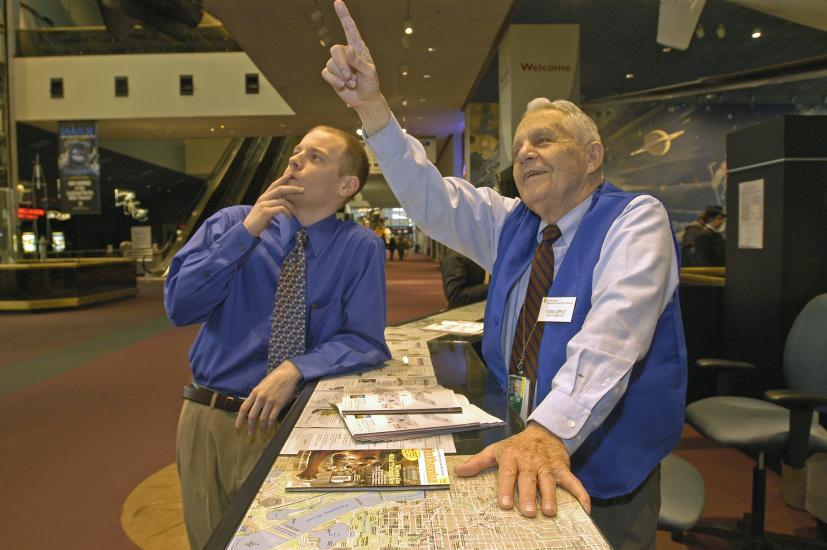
(79,167)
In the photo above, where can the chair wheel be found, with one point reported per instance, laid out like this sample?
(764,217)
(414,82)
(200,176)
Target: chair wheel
(677,536)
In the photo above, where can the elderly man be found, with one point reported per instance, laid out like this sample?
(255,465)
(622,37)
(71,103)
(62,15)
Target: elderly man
(285,293)
(594,362)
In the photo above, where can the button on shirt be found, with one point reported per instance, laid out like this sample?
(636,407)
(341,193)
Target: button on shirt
(226,279)
(633,281)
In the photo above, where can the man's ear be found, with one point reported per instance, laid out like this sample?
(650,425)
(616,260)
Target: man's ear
(594,157)
(348,186)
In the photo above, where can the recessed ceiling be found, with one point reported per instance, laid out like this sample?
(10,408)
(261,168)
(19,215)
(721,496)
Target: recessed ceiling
(283,40)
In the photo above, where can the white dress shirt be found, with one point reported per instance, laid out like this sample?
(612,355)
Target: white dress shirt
(635,278)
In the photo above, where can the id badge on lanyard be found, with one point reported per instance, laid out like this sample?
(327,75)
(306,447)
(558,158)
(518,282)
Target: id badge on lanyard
(518,394)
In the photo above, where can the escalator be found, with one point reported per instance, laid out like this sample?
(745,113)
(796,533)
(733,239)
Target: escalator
(243,172)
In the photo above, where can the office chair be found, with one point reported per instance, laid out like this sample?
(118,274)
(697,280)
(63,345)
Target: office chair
(681,496)
(782,424)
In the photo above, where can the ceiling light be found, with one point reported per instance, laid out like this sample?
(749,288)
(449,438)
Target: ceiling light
(408,27)
(222,126)
(212,129)
(720,32)
(321,31)
(431,50)
(426,76)
(667,50)
(405,69)
(630,76)
(699,32)
(323,43)
(404,102)
(359,132)
(316,16)
(422,100)
(756,32)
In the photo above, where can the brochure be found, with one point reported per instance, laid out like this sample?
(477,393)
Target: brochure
(354,470)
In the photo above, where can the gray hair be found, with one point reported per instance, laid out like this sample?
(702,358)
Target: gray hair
(576,121)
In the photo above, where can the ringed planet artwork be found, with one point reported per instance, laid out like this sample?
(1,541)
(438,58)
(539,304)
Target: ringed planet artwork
(657,143)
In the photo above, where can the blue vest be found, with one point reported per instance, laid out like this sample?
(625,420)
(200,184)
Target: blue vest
(646,423)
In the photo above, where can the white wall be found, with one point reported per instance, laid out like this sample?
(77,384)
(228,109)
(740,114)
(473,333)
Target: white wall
(202,154)
(168,153)
(89,87)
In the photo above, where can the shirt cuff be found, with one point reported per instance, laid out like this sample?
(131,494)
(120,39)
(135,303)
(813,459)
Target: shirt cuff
(562,416)
(308,367)
(389,142)
(236,242)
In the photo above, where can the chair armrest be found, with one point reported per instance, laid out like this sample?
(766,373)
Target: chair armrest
(793,399)
(801,406)
(726,373)
(723,364)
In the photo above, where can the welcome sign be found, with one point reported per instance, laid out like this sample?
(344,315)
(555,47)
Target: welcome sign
(535,61)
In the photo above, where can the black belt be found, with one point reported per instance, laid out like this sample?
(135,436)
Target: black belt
(212,399)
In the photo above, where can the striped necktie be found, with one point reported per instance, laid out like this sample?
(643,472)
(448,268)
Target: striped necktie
(287,332)
(526,349)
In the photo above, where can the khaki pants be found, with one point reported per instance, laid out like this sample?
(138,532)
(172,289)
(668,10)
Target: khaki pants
(214,459)
(630,522)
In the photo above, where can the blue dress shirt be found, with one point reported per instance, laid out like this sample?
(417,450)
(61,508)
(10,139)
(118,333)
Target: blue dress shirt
(226,279)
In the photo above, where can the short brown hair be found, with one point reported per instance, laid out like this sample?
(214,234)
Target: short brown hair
(355,161)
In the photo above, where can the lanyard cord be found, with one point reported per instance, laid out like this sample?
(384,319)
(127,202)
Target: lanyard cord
(520,369)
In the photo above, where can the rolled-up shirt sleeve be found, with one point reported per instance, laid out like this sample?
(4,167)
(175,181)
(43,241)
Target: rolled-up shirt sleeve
(634,280)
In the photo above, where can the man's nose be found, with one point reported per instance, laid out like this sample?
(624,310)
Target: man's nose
(525,152)
(296,161)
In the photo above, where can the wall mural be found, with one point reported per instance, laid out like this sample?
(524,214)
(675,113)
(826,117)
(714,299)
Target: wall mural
(676,151)
(482,128)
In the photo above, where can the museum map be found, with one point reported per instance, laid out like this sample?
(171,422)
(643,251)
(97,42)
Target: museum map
(465,516)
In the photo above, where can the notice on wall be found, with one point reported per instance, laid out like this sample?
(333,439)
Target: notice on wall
(751,214)
(141,236)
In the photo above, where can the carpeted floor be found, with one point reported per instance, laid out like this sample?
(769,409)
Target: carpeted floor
(89,402)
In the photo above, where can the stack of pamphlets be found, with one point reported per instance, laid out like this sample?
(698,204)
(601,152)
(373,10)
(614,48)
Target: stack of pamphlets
(357,470)
(420,400)
(391,416)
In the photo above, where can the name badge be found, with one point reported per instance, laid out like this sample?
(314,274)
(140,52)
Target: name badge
(556,310)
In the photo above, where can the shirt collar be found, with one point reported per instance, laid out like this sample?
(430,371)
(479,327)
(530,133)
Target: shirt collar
(568,223)
(319,235)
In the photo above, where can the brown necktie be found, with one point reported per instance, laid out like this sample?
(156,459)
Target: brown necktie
(526,349)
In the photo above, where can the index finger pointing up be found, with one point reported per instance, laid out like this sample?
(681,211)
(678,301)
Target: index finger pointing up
(354,39)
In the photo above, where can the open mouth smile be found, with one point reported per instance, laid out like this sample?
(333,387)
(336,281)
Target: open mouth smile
(533,172)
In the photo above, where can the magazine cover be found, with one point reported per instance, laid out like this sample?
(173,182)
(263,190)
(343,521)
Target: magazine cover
(369,469)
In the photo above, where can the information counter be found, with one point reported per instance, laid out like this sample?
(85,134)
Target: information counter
(464,516)
(57,283)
